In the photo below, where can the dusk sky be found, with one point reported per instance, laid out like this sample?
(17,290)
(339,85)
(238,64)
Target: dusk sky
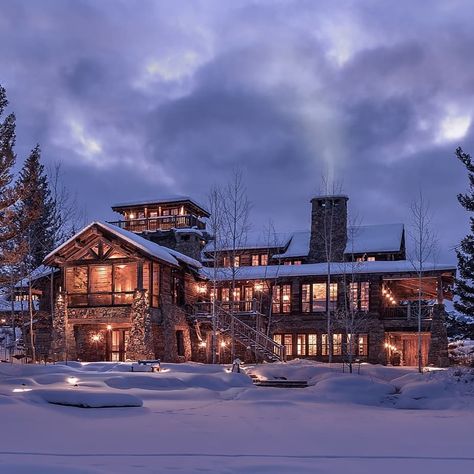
(139,99)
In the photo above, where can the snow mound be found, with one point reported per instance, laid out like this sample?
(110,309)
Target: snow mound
(350,388)
(220,381)
(87,399)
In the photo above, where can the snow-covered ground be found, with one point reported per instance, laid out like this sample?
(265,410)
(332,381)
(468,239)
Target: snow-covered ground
(194,418)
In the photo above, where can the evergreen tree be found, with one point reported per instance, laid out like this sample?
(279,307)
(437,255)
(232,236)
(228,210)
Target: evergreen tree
(36,209)
(9,192)
(465,252)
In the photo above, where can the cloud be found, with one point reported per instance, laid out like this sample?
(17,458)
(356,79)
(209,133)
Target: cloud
(140,99)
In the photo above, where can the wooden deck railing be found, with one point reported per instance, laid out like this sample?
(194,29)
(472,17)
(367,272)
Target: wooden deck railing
(151,224)
(409,311)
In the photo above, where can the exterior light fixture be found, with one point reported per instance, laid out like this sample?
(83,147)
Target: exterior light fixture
(202,344)
(223,344)
(109,327)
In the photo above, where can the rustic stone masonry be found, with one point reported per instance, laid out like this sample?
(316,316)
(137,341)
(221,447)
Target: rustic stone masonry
(63,345)
(438,351)
(328,222)
(140,345)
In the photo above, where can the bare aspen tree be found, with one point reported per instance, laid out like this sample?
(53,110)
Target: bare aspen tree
(351,317)
(215,227)
(424,243)
(235,227)
(326,234)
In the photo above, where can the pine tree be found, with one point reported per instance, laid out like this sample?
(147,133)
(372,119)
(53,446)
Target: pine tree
(8,192)
(465,252)
(36,209)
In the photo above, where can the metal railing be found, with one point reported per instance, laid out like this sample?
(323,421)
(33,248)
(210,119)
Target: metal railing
(151,224)
(240,307)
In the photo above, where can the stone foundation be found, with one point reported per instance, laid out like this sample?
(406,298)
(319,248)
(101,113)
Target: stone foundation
(438,352)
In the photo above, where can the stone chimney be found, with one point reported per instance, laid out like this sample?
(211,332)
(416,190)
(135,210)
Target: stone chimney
(328,224)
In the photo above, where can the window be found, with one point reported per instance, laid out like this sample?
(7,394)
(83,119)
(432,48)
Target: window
(248,295)
(255,260)
(180,343)
(100,281)
(288,341)
(359,295)
(277,339)
(177,289)
(155,294)
(336,344)
(125,282)
(102,285)
(371,259)
(281,299)
(313,297)
(306,298)
(362,349)
(301,344)
(312,344)
(237,261)
(318,297)
(264,259)
(324,348)
(297,262)
(350,344)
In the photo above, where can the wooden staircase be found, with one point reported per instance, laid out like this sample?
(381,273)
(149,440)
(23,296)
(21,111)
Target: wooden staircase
(255,339)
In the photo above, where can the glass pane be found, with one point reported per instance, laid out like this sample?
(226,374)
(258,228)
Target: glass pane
(286,298)
(125,277)
(101,278)
(123,298)
(312,344)
(364,296)
(288,339)
(76,279)
(305,298)
(319,297)
(301,344)
(337,344)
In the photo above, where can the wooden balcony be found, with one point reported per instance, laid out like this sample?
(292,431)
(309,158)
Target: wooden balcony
(152,224)
(408,312)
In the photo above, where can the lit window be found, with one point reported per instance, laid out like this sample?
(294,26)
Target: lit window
(359,296)
(288,340)
(281,299)
(255,261)
(301,344)
(312,344)
(237,261)
(371,259)
(362,349)
(319,297)
(324,347)
(306,298)
(337,344)
(264,259)
(277,339)
(297,262)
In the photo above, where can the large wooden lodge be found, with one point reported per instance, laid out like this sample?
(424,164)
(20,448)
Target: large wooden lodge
(146,287)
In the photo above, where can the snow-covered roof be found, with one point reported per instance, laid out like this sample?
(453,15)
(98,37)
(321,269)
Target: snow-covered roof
(298,246)
(39,272)
(320,269)
(147,246)
(161,200)
(374,238)
(6,305)
(255,241)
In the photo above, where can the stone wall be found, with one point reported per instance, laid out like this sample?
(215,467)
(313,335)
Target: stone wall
(438,351)
(329,212)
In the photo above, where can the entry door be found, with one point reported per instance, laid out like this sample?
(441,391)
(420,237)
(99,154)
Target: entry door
(117,345)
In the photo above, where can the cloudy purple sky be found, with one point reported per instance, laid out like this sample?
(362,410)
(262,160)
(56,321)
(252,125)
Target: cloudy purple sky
(147,98)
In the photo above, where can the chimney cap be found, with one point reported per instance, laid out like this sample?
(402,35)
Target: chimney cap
(325,197)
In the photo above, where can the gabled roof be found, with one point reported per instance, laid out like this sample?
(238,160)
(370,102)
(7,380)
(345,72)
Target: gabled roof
(146,246)
(176,199)
(298,246)
(39,272)
(374,238)
(255,241)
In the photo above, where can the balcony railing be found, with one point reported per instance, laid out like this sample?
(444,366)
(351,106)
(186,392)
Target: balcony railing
(241,307)
(409,311)
(151,224)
